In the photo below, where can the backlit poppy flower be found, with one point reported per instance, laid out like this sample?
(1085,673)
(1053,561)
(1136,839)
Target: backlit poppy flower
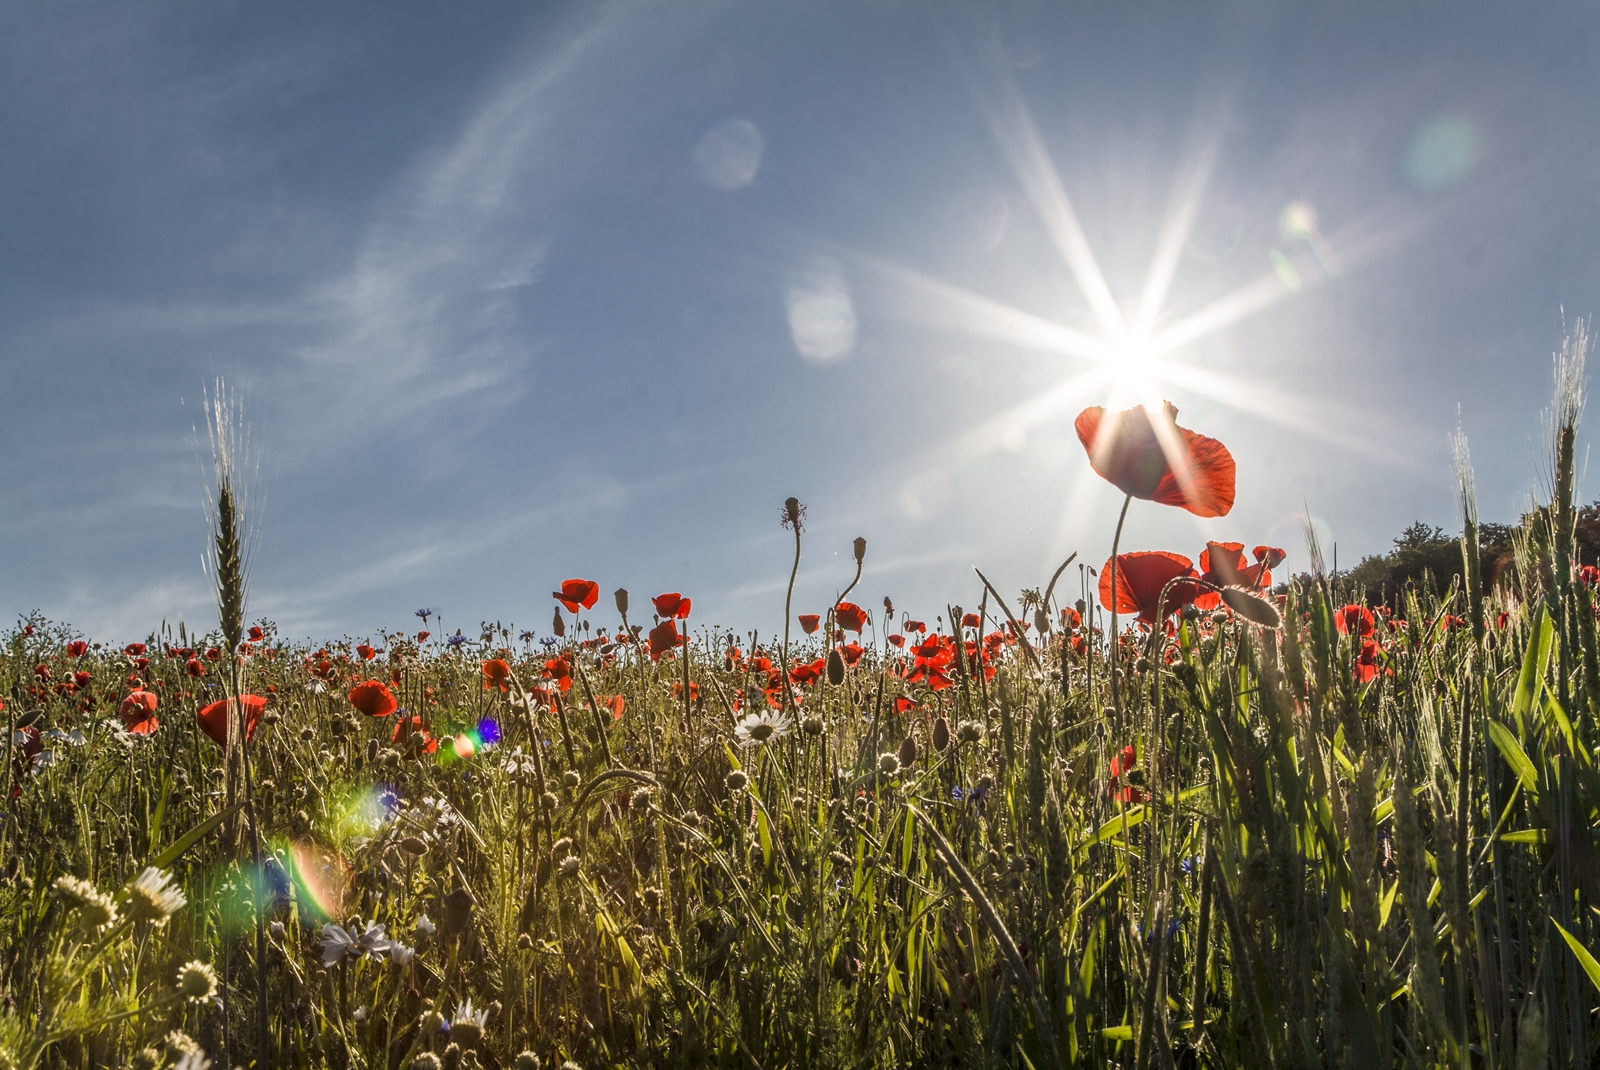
(1367,661)
(970,620)
(76,648)
(852,653)
(497,675)
(256,634)
(422,637)
(915,626)
(672,605)
(366,652)
(213,654)
(1270,556)
(81,678)
(133,649)
(850,617)
(663,637)
(577,593)
(1141,576)
(194,667)
(905,704)
(138,713)
(616,704)
(1071,619)
(219,719)
(1129,449)
(1501,620)
(407,727)
(1354,619)
(898,640)
(373,699)
(810,622)
(1589,575)
(808,672)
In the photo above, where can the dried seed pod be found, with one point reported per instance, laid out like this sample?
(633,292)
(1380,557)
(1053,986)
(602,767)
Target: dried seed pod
(414,846)
(860,547)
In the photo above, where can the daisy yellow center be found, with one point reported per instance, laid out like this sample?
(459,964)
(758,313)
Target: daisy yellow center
(763,731)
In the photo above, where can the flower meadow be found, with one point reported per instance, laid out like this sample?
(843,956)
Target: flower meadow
(1166,811)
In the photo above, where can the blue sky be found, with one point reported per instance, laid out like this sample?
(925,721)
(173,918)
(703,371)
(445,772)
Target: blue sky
(515,292)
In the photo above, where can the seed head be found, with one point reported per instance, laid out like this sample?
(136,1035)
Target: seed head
(621,595)
(571,778)
(561,848)
(569,867)
(527,1060)
(888,763)
(197,982)
(426,1061)
(415,846)
(812,726)
(969,731)
(860,546)
(458,907)
(549,800)
(153,898)
(736,780)
(794,514)
(146,1059)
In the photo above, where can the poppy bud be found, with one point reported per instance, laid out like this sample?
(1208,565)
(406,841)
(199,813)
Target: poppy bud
(941,734)
(458,907)
(372,750)
(908,753)
(621,596)
(888,607)
(835,667)
(791,510)
(29,718)
(560,626)
(861,549)
(1041,621)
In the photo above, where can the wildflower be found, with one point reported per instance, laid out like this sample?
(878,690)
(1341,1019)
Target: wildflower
(1140,579)
(1268,556)
(256,634)
(1124,766)
(152,897)
(1354,619)
(568,866)
(527,1060)
(794,515)
(373,699)
(425,614)
(810,622)
(219,719)
(467,1027)
(213,654)
(367,652)
(526,637)
(663,637)
(850,617)
(197,982)
(763,727)
(138,713)
(456,641)
(359,1014)
(1367,662)
(1156,460)
(736,780)
(401,955)
(672,605)
(95,908)
(424,926)
(496,675)
(969,731)
(576,593)
(134,650)
(194,667)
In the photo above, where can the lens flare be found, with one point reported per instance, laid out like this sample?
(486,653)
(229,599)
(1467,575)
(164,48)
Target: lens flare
(488,732)
(464,747)
(321,878)
(729,155)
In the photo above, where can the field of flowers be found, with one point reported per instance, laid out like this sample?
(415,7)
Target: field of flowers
(1177,815)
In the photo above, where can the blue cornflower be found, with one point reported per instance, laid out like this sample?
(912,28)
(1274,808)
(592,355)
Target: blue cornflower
(955,793)
(548,641)
(526,637)
(457,640)
(424,613)
(1189,865)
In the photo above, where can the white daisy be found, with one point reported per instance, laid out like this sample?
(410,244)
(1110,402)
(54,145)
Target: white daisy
(766,726)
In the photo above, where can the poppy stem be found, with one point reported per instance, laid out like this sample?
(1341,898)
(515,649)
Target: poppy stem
(1111,640)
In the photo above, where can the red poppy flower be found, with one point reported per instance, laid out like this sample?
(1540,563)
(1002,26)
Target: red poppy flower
(366,652)
(970,620)
(576,593)
(663,637)
(1354,619)
(497,675)
(1130,450)
(373,699)
(256,634)
(194,667)
(213,654)
(616,704)
(915,626)
(406,727)
(1501,620)
(809,672)
(1270,556)
(672,605)
(422,637)
(1367,661)
(76,648)
(138,713)
(133,649)
(852,653)
(1071,619)
(905,704)
(898,640)
(850,617)
(1142,576)
(218,719)
(1122,764)
(810,622)
(1589,575)
(81,678)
